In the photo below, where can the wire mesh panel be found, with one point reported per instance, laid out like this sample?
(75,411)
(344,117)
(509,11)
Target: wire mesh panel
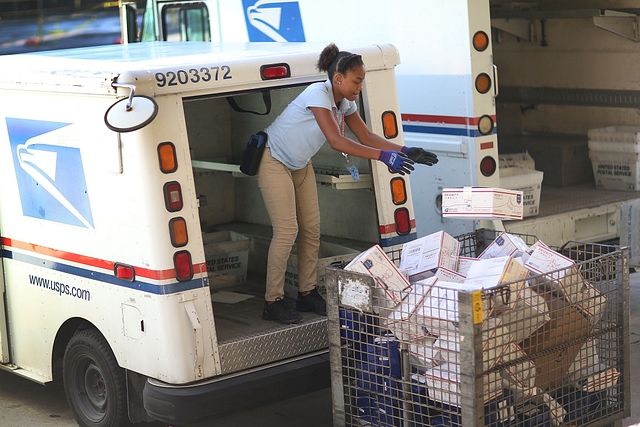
(479,348)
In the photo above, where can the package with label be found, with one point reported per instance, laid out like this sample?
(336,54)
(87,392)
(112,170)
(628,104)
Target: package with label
(447,275)
(492,272)
(389,280)
(528,314)
(422,257)
(481,203)
(464,264)
(439,310)
(443,384)
(559,273)
(505,244)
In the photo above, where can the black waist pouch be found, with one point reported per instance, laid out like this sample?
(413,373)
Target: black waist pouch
(253,153)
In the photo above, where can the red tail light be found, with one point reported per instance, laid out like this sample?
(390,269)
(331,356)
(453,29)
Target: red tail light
(488,166)
(403,222)
(124,272)
(275,71)
(182,266)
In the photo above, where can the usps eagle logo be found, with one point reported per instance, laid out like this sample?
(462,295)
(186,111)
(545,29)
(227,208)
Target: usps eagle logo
(273,21)
(50,175)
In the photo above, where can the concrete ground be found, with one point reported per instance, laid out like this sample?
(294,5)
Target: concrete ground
(634,328)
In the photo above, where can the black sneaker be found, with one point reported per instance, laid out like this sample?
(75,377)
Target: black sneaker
(281,312)
(312,302)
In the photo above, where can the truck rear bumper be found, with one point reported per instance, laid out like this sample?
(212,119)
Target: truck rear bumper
(182,404)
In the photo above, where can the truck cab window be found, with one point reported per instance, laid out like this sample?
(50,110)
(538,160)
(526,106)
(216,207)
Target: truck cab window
(186,22)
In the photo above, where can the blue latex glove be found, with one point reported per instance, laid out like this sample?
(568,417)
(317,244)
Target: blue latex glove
(420,155)
(397,161)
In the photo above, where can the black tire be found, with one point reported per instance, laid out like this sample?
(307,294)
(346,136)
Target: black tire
(95,385)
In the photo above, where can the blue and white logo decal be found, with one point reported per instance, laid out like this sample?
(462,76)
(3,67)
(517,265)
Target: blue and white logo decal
(50,176)
(273,20)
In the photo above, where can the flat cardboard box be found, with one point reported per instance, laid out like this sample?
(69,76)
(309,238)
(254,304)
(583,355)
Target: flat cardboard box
(226,254)
(422,257)
(548,346)
(505,244)
(482,203)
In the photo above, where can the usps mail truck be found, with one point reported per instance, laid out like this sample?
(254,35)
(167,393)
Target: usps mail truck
(119,189)
(447,82)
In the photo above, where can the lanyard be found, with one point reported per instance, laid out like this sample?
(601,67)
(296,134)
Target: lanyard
(350,166)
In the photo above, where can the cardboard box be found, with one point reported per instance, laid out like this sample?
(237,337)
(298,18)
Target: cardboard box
(328,254)
(422,257)
(464,264)
(529,182)
(628,135)
(393,285)
(561,274)
(227,255)
(549,347)
(564,159)
(587,356)
(505,244)
(527,316)
(481,203)
(591,302)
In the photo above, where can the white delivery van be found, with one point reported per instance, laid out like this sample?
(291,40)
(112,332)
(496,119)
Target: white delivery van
(117,166)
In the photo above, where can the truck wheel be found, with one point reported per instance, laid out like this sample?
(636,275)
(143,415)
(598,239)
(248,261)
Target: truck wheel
(95,385)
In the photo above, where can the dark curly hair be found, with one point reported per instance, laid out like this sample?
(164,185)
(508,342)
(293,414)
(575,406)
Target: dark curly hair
(332,60)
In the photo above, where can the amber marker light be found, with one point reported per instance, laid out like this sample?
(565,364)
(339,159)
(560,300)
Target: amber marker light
(167,157)
(480,41)
(178,231)
(483,83)
(389,124)
(398,191)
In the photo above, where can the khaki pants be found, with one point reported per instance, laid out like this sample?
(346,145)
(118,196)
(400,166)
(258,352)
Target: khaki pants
(291,198)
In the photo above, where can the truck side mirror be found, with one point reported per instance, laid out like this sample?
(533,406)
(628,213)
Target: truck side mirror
(132,113)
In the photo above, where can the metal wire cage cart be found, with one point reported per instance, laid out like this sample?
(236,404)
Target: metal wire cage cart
(549,350)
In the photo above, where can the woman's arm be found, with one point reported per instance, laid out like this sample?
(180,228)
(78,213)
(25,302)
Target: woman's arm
(330,129)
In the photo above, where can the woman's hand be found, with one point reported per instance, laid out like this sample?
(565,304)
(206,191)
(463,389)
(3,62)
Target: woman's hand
(396,160)
(420,155)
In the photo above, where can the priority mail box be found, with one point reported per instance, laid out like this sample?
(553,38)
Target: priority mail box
(422,353)
(505,244)
(391,283)
(481,203)
(560,273)
(464,264)
(399,320)
(422,257)
(492,272)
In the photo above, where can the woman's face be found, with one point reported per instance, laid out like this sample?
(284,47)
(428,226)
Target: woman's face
(350,85)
